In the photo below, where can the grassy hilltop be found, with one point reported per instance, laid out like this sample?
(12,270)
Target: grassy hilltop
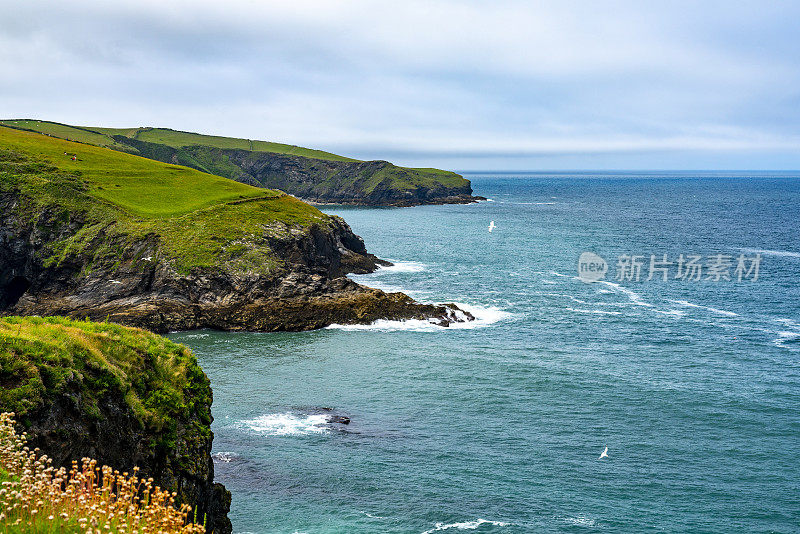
(202,219)
(307,173)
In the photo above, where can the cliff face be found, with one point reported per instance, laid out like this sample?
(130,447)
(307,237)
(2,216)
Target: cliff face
(369,183)
(122,396)
(263,263)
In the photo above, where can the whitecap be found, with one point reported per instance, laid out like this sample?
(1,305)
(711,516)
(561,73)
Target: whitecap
(466,525)
(786,337)
(580,520)
(767,252)
(634,297)
(288,424)
(484,316)
(402,267)
(674,313)
(371,516)
(599,312)
(196,336)
(224,457)
(709,308)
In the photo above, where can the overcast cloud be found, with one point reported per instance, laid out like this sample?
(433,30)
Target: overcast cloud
(464,85)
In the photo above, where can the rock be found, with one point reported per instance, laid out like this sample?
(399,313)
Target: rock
(339,419)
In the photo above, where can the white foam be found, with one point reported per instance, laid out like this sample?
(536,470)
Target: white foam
(484,316)
(673,313)
(580,521)
(373,516)
(766,252)
(466,525)
(402,267)
(784,337)
(600,312)
(709,308)
(288,424)
(787,322)
(224,457)
(634,297)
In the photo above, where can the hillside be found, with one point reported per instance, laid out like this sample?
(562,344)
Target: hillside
(93,232)
(313,175)
(123,396)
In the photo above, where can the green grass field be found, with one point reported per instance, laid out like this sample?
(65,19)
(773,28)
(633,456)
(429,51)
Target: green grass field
(164,136)
(203,220)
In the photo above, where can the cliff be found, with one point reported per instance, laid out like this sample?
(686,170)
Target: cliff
(92,232)
(123,396)
(312,175)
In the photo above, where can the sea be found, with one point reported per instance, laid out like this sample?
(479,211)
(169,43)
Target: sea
(681,362)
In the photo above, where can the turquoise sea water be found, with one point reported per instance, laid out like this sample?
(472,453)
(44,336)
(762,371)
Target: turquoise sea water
(694,387)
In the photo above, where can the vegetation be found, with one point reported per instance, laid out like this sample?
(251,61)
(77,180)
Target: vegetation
(164,136)
(330,174)
(37,498)
(45,358)
(200,220)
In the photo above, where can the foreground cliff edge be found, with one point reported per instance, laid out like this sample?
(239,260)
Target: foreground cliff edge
(123,396)
(313,175)
(90,232)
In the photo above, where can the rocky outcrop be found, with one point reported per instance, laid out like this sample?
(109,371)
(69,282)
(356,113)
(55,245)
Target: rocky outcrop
(135,282)
(370,183)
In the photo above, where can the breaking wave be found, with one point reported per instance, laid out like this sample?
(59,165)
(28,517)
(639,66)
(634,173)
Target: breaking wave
(466,525)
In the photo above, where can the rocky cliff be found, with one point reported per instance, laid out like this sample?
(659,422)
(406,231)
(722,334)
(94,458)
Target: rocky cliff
(71,246)
(367,183)
(122,396)
(313,175)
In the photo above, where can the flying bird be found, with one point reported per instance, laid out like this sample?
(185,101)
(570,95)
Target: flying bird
(148,258)
(115,282)
(492,226)
(604,454)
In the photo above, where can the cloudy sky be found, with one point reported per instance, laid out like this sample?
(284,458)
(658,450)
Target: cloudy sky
(461,85)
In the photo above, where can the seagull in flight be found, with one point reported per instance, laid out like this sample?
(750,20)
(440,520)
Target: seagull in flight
(115,281)
(492,226)
(604,454)
(148,258)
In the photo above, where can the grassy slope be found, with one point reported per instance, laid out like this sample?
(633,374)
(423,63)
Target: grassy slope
(132,197)
(45,357)
(401,177)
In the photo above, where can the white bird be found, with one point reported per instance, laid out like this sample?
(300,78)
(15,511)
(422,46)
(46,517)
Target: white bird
(148,258)
(604,454)
(492,226)
(115,282)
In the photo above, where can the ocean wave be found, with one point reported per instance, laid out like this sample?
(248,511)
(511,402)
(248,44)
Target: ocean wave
(786,337)
(709,308)
(288,424)
(402,267)
(580,521)
(484,316)
(634,297)
(466,525)
(599,312)
(767,252)
(196,336)
(224,457)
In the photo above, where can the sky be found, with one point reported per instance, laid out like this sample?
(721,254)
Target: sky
(459,85)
